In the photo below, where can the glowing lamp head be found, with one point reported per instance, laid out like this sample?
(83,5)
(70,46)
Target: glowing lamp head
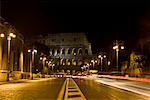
(2,35)
(29,50)
(122,47)
(35,51)
(44,58)
(12,35)
(92,60)
(104,56)
(99,56)
(114,47)
(41,58)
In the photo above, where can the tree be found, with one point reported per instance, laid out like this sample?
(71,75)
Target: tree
(135,68)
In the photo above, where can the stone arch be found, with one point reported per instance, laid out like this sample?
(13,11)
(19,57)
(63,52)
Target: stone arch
(53,51)
(74,62)
(61,61)
(58,51)
(80,51)
(86,51)
(68,51)
(64,62)
(74,52)
(80,62)
(68,62)
(63,51)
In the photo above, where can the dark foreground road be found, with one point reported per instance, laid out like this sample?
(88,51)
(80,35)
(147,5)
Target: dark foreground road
(97,91)
(45,89)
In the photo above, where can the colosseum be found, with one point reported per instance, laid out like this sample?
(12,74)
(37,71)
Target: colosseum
(68,50)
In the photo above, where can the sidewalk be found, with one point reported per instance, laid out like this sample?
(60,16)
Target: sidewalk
(13,81)
(23,80)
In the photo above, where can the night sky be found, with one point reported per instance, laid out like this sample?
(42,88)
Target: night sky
(103,22)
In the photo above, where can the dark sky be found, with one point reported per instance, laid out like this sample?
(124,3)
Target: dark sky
(103,22)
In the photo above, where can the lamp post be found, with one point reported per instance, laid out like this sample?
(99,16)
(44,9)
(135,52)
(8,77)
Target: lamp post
(9,37)
(117,47)
(32,61)
(43,61)
(1,35)
(93,63)
(101,57)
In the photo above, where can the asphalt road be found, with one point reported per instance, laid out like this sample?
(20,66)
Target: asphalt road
(97,91)
(45,89)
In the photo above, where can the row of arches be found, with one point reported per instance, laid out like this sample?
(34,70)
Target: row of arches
(71,62)
(73,51)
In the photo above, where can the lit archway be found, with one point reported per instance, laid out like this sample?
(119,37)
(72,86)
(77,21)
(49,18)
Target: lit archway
(74,52)
(74,62)
(80,51)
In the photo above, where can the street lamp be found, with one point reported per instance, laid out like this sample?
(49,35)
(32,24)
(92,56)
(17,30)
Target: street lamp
(117,47)
(101,57)
(9,37)
(43,61)
(32,61)
(93,63)
(2,35)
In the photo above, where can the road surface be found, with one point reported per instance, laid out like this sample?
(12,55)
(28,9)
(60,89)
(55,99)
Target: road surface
(93,90)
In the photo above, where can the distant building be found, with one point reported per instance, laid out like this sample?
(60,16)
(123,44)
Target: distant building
(70,49)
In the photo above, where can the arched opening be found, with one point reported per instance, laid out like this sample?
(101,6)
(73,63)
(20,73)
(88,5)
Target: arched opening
(69,51)
(73,62)
(53,51)
(74,52)
(86,52)
(61,61)
(79,62)
(64,62)
(63,51)
(68,62)
(80,51)
(58,51)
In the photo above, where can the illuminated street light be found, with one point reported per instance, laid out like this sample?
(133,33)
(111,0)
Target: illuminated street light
(101,57)
(32,61)
(2,35)
(116,47)
(12,35)
(35,51)
(92,61)
(29,50)
(104,56)
(44,58)
(108,63)
(9,36)
(41,58)
(122,47)
(43,61)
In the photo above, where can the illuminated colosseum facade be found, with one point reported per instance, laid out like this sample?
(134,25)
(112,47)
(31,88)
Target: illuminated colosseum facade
(68,50)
